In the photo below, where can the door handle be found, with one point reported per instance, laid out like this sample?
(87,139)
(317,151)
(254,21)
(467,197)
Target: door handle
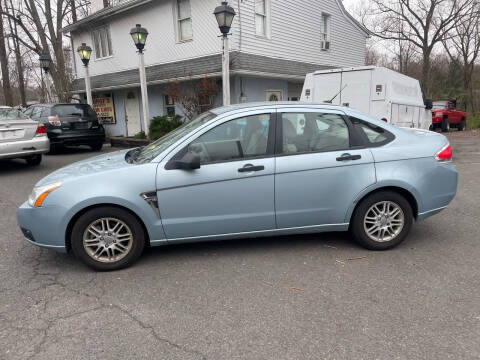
(250,168)
(346,157)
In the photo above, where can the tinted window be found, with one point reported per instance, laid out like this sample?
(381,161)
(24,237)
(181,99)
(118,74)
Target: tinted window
(236,139)
(313,132)
(74,110)
(374,135)
(11,114)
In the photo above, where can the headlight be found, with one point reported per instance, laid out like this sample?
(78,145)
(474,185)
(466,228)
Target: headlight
(39,193)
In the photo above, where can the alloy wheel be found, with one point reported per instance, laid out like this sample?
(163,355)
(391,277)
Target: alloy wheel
(107,240)
(383,221)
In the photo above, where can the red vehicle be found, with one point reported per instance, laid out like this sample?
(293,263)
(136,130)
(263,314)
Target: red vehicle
(445,116)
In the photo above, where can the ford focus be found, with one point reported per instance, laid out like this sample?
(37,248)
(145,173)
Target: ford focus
(245,171)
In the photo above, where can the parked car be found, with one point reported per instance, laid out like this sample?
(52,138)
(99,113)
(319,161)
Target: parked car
(69,124)
(445,116)
(245,171)
(21,137)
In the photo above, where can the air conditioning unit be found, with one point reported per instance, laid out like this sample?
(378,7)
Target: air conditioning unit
(325,45)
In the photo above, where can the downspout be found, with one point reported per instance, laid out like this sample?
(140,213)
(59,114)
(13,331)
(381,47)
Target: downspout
(239,26)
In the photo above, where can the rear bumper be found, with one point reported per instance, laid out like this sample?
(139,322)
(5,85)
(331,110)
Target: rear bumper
(24,148)
(40,226)
(77,138)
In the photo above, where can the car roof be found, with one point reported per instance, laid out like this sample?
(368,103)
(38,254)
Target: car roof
(5,107)
(270,104)
(56,104)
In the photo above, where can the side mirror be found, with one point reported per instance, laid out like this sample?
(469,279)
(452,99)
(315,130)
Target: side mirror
(189,161)
(428,104)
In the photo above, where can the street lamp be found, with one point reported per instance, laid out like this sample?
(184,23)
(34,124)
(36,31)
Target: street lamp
(224,15)
(45,62)
(85,51)
(139,36)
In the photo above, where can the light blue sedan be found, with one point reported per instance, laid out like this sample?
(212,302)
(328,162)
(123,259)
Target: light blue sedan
(243,171)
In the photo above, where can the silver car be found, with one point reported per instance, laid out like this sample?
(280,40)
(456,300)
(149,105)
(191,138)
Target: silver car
(21,137)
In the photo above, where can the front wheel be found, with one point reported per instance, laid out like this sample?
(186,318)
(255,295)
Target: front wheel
(461,126)
(445,125)
(382,220)
(107,238)
(97,146)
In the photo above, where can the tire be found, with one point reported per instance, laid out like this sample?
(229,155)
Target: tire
(97,146)
(55,148)
(461,126)
(34,160)
(445,124)
(360,223)
(131,236)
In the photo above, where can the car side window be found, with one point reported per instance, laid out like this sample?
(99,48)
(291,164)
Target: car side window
(36,112)
(314,132)
(28,112)
(45,112)
(374,135)
(242,138)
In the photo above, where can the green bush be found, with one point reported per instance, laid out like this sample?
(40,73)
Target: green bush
(161,125)
(473,121)
(140,135)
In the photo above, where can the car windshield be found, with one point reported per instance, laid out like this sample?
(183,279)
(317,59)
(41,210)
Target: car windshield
(11,114)
(151,151)
(440,105)
(73,110)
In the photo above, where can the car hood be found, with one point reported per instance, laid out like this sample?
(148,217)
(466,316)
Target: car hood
(94,165)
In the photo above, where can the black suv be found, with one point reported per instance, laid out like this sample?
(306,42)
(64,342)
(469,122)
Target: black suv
(69,124)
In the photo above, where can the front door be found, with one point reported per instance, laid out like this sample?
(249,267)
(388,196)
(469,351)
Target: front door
(132,111)
(233,190)
(319,170)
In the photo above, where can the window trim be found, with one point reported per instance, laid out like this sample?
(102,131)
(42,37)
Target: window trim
(271,140)
(354,142)
(177,20)
(98,30)
(266,19)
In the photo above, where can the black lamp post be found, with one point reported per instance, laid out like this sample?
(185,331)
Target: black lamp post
(224,15)
(139,36)
(45,63)
(85,51)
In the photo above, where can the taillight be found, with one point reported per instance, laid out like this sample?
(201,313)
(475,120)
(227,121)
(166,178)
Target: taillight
(54,120)
(445,154)
(41,130)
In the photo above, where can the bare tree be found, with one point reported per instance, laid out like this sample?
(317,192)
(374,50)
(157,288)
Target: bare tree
(464,49)
(7,90)
(422,23)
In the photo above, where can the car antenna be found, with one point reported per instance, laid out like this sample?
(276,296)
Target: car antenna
(330,101)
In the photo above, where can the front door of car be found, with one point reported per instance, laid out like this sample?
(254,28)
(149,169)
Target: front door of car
(232,191)
(320,168)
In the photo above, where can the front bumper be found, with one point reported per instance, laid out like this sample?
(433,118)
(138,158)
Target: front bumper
(24,148)
(41,226)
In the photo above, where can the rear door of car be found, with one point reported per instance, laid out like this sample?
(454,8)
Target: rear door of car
(319,169)
(75,117)
(15,126)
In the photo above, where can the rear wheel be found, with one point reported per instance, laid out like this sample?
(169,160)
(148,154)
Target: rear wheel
(382,220)
(445,124)
(97,146)
(108,238)
(34,160)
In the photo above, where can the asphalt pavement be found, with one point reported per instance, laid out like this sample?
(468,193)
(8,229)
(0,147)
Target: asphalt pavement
(296,297)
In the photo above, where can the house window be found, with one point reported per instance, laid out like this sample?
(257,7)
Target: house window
(169,106)
(325,35)
(102,42)
(261,17)
(184,20)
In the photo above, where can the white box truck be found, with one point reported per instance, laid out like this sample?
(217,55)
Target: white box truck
(380,92)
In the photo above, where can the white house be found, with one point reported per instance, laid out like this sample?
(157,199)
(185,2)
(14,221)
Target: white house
(273,45)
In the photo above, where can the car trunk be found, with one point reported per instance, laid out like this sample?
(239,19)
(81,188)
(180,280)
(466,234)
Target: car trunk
(77,123)
(17,129)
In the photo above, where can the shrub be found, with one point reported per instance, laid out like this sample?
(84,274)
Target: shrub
(473,121)
(140,135)
(161,125)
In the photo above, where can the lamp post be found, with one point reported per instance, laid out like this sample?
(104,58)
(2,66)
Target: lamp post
(224,15)
(45,62)
(85,51)
(139,36)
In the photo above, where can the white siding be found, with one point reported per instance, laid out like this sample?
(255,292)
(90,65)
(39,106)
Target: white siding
(295,28)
